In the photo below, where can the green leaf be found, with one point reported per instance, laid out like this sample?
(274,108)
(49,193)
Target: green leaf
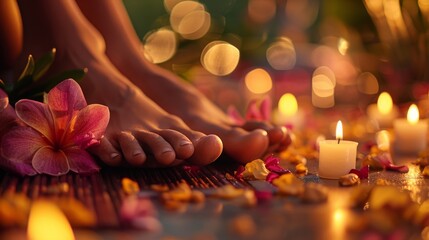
(46,85)
(29,68)
(42,64)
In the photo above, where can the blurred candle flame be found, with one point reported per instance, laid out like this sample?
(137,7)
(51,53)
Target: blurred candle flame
(383,140)
(47,222)
(339,130)
(413,114)
(288,104)
(384,103)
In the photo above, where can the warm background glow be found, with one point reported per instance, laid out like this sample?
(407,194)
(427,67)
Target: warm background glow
(288,105)
(384,103)
(258,81)
(220,58)
(47,222)
(413,114)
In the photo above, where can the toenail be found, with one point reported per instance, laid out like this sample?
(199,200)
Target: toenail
(114,155)
(185,143)
(136,153)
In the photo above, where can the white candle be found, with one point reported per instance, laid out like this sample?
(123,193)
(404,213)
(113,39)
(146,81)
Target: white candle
(384,112)
(410,133)
(336,157)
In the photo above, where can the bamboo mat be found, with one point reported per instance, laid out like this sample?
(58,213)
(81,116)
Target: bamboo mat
(102,192)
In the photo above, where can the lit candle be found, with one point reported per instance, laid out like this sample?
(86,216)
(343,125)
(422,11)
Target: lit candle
(288,112)
(410,133)
(336,157)
(384,112)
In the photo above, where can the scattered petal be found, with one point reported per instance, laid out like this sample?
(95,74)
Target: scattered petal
(271,176)
(362,173)
(50,161)
(253,112)
(129,186)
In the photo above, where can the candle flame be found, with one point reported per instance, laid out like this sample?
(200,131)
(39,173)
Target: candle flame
(413,114)
(288,104)
(384,103)
(339,131)
(383,140)
(46,222)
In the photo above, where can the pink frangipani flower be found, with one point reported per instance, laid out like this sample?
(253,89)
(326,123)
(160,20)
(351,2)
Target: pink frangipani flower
(56,133)
(261,113)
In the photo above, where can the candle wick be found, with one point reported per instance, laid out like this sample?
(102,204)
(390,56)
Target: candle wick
(339,140)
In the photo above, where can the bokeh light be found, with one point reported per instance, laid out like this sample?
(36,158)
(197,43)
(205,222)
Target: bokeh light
(343,46)
(47,222)
(281,54)
(261,11)
(195,25)
(384,103)
(169,4)
(323,86)
(220,58)
(258,81)
(190,19)
(160,45)
(367,83)
(288,105)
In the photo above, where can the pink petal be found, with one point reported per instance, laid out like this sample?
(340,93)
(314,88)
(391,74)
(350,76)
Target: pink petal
(271,176)
(385,159)
(263,196)
(80,161)
(239,172)
(20,144)
(252,112)
(235,115)
(273,164)
(65,100)
(362,173)
(18,167)
(265,108)
(50,161)
(4,100)
(36,115)
(91,123)
(397,168)
(8,119)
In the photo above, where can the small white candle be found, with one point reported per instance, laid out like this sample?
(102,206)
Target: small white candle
(410,133)
(384,112)
(336,157)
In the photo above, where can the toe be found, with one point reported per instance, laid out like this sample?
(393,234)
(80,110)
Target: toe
(180,143)
(246,146)
(106,152)
(131,149)
(161,149)
(276,134)
(207,150)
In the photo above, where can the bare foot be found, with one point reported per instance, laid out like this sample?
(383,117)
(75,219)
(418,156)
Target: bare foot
(243,143)
(139,131)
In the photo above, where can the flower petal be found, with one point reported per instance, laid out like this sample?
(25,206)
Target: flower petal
(36,115)
(253,112)
(65,100)
(271,176)
(20,144)
(265,109)
(4,100)
(50,161)
(90,125)
(8,119)
(80,161)
(362,173)
(235,115)
(18,167)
